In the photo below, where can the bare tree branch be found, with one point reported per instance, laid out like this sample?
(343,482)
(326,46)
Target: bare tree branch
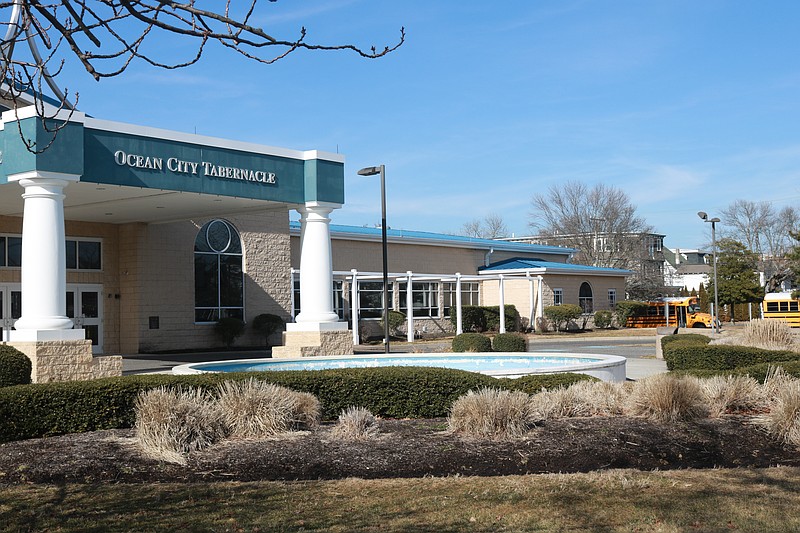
(106,36)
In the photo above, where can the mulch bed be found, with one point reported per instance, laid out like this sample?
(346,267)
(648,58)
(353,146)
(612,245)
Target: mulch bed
(405,448)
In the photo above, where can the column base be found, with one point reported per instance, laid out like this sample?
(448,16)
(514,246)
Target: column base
(45,335)
(315,339)
(67,360)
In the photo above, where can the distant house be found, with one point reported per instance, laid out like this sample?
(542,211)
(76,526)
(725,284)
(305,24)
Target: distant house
(686,268)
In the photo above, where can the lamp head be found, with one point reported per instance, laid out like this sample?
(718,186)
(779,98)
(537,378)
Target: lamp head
(369,171)
(715,219)
(703,215)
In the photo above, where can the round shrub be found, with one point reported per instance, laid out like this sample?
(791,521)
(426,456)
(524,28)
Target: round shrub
(562,315)
(471,342)
(509,342)
(267,325)
(15,367)
(228,329)
(602,319)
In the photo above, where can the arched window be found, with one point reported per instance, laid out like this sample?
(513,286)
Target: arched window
(585,297)
(218,274)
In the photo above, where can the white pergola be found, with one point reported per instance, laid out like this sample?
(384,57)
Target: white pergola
(534,277)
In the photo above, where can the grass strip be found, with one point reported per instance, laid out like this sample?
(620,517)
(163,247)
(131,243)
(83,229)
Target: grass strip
(615,500)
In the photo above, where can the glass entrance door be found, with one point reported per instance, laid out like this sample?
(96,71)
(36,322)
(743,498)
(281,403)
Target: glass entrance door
(85,308)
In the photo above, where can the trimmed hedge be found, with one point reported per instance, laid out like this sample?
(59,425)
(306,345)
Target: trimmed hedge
(686,338)
(30,411)
(509,342)
(15,367)
(685,356)
(479,318)
(471,342)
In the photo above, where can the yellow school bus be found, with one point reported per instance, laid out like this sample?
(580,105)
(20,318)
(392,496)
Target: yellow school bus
(684,312)
(781,306)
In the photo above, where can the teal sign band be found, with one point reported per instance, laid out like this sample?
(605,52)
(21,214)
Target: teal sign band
(126,159)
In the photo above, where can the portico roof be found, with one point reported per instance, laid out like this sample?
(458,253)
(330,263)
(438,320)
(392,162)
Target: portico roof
(127,173)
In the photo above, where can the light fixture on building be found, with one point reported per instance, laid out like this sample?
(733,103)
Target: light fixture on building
(704,216)
(372,171)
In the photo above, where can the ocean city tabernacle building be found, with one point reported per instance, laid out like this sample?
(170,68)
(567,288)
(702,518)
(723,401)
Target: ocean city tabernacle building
(121,239)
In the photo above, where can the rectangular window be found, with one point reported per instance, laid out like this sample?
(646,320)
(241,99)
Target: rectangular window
(72,254)
(772,307)
(470,295)
(2,251)
(14,251)
(370,298)
(558,296)
(425,298)
(89,255)
(612,298)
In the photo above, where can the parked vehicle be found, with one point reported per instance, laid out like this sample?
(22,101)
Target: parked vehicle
(684,312)
(781,306)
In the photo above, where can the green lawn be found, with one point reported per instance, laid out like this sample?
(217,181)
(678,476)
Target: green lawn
(621,500)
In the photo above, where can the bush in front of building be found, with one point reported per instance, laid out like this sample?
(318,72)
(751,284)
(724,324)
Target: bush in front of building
(603,319)
(38,410)
(627,308)
(15,367)
(471,342)
(561,315)
(478,318)
(492,314)
(396,320)
(228,329)
(268,325)
(473,319)
(509,342)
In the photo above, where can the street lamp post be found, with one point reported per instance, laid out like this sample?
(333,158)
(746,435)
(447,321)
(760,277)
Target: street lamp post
(371,171)
(704,216)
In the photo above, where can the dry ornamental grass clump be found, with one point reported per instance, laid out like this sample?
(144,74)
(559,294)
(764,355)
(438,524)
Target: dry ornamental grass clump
(173,422)
(255,409)
(585,398)
(732,394)
(355,423)
(768,335)
(783,419)
(492,414)
(666,398)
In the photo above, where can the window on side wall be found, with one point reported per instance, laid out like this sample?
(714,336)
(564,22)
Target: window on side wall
(612,298)
(218,273)
(558,296)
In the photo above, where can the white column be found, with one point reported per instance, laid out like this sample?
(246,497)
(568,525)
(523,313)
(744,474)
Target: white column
(502,306)
(539,297)
(316,266)
(291,275)
(459,316)
(409,309)
(43,274)
(354,306)
(532,301)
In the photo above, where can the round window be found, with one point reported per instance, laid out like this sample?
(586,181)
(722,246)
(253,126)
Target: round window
(218,236)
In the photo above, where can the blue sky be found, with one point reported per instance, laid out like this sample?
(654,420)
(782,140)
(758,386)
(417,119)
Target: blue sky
(684,105)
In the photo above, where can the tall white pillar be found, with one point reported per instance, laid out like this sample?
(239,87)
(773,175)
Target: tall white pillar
(316,266)
(502,305)
(459,316)
(43,274)
(409,308)
(354,306)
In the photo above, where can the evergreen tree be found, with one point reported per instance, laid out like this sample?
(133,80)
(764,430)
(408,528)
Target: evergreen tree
(737,275)
(702,296)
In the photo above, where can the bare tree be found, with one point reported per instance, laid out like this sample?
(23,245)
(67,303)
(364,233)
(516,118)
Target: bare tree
(600,222)
(764,231)
(106,36)
(491,227)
